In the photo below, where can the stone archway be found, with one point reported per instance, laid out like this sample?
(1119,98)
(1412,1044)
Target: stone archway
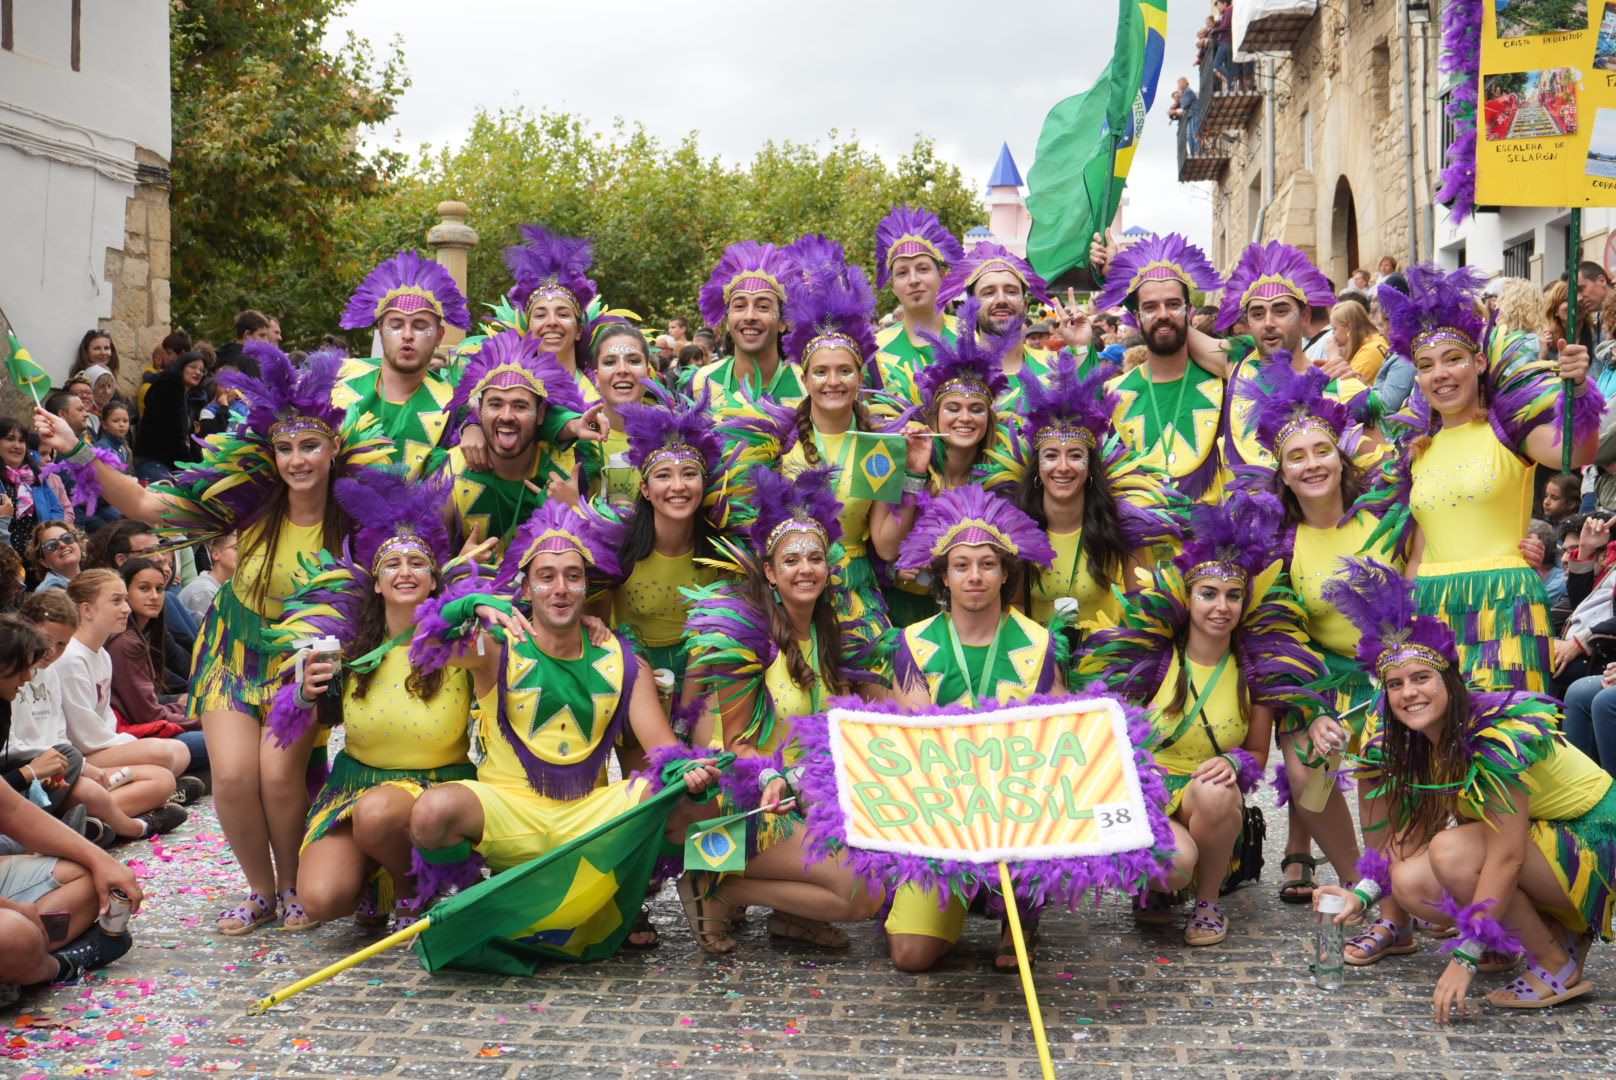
(1343,234)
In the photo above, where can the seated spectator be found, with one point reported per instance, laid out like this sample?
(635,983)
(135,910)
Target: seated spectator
(13,586)
(55,553)
(86,679)
(249,324)
(114,435)
(1357,341)
(1562,497)
(72,403)
(28,498)
(124,540)
(139,664)
(1359,280)
(197,597)
(129,809)
(96,347)
(164,442)
(69,874)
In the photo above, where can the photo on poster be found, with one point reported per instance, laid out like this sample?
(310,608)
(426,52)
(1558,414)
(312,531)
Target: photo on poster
(1602,146)
(1605,44)
(1528,18)
(1530,104)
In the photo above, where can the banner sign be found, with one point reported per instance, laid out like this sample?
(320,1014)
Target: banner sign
(1547,115)
(1047,781)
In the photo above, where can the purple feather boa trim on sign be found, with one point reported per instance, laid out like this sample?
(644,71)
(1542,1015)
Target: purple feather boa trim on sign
(1461,61)
(86,486)
(1037,882)
(1476,926)
(1587,409)
(1376,865)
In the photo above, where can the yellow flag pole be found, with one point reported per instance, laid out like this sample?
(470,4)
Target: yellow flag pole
(1027,988)
(392,940)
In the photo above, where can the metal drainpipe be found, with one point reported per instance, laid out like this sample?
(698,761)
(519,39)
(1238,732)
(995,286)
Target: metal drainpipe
(1268,133)
(1426,101)
(1408,132)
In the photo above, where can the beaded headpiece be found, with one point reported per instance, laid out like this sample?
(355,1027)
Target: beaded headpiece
(391,514)
(1064,406)
(407,282)
(1380,602)
(556,526)
(509,360)
(830,305)
(1233,541)
(287,399)
(1440,306)
(549,266)
(973,364)
(1286,402)
(672,429)
(746,267)
(806,503)
(987,258)
(913,230)
(1272,270)
(968,516)
(1156,258)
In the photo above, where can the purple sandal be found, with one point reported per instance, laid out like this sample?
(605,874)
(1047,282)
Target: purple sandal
(1563,986)
(257,911)
(368,912)
(1376,946)
(292,910)
(1208,926)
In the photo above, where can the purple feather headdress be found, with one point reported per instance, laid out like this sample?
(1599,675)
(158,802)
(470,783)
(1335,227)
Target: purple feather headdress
(1461,60)
(391,513)
(555,526)
(812,251)
(973,364)
(1064,405)
(407,282)
(985,258)
(550,266)
(1233,541)
(1440,306)
(1156,258)
(913,230)
(511,360)
(805,503)
(672,429)
(1286,403)
(746,267)
(1380,602)
(1270,270)
(286,398)
(830,306)
(971,515)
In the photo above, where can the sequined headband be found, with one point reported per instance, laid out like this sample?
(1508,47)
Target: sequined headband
(1438,334)
(1271,287)
(1160,270)
(968,385)
(753,281)
(511,377)
(791,525)
(833,340)
(551,289)
(672,452)
(970,533)
(1404,652)
(1215,568)
(993,265)
(910,244)
(292,423)
(409,299)
(1300,424)
(404,541)
(1067,432)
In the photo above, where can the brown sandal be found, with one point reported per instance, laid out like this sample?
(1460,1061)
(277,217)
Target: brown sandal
(693,897)
(783,924)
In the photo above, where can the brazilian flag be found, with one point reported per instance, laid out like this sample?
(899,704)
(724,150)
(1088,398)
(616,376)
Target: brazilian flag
(877,466)
(717,846)
(1088,141)
(577,902)
(25,374)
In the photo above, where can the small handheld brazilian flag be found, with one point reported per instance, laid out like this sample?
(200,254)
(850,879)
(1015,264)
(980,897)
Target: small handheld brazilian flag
(718,844)
(878,466)
(28,376)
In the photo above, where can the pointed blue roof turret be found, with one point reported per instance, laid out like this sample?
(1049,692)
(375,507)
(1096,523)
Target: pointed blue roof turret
(1005,173)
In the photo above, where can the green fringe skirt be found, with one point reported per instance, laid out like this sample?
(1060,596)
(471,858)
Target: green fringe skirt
(1499,612)
(350,779)
(1582,853)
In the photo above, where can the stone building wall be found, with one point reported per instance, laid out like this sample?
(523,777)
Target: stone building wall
(138,274)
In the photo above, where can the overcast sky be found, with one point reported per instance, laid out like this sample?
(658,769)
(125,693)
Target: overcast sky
(970,75)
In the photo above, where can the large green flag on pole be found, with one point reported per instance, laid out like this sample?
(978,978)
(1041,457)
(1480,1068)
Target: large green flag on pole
(1087,144)
(577,902)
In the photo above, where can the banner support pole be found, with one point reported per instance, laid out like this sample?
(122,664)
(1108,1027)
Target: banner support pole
(392,940)
(1022,962)
(1567,391)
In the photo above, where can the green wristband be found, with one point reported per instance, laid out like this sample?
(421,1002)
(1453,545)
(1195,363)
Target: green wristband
(459,611)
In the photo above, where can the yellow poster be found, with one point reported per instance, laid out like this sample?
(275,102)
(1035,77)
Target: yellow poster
(1025,782)
(1547,103)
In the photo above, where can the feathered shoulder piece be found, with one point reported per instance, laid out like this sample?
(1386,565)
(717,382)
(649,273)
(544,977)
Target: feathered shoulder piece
(1287,402)
(511,360)
(408,282)
(913,230)
(986,258)
(972,515)
(830,305)
(550,266)
(972,364)
(1267,271)
(1156,258)
(1379,602)
(746,267)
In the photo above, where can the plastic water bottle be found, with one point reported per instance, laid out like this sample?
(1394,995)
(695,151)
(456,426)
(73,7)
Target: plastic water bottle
(1326,957)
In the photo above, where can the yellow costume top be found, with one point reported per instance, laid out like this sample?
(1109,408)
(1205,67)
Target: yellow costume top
(837,450)
(649,600)
(1566,784)
(1221,710)
(1472,498)
(790,701)
(294,540)
(391,729)
(1070,575)
(1316,561)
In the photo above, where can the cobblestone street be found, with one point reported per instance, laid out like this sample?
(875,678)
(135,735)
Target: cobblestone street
(1118,1002)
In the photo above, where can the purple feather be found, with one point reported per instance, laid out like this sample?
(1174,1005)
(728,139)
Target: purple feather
(814,253)
(750,263)
(975,357)
(911,230)
(1239,532)
(829,299)
(1587,409)
(673,422)
(1247,773)
(284,388)
(581,528)
(1066,398)
(1156,258)
(1436,298)
(1475,925)
(546,258)
(1295,273)
(86,485)
(984,258)
(1279,394)
(288,721)
(1375,865)
(1381,604)
(1461,61)
(1282,785)
(411,271)
(511,349)
(994,520)
(384,506)
(431,649)
(433,881)
(809,495)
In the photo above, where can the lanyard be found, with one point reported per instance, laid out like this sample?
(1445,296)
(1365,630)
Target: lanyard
(814,691)
(372,660)
(841,461)
(1200,700)
(981,690)
(1178,404)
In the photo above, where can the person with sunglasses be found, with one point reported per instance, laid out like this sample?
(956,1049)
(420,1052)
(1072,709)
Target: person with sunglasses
(56,553)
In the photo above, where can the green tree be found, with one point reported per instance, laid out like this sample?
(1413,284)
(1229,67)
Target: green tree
(267,159)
